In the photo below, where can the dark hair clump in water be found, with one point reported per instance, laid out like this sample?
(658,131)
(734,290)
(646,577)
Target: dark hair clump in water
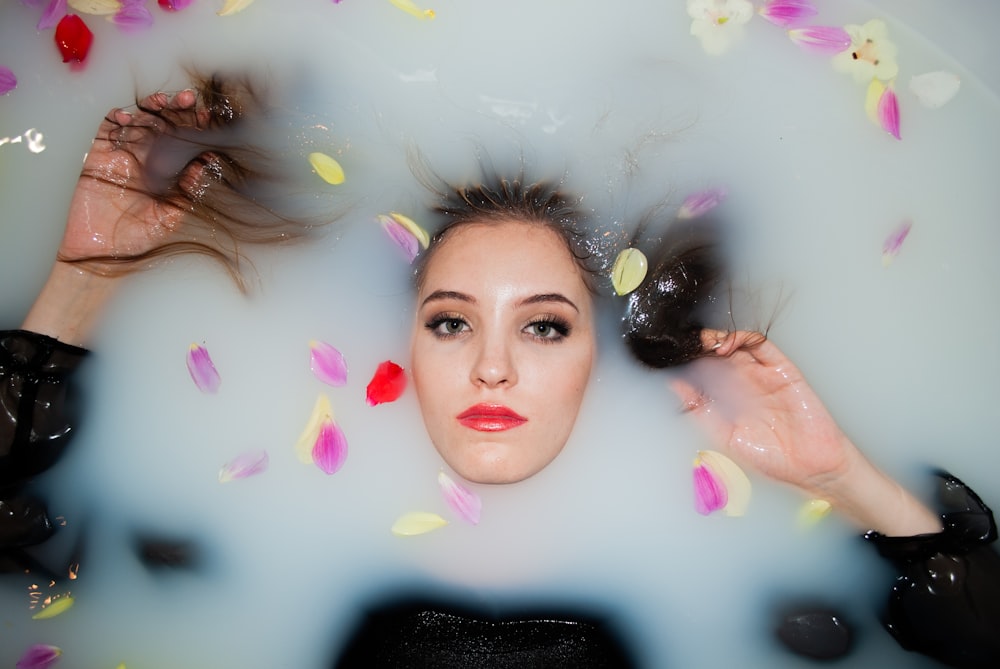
(212,172)
(662,326)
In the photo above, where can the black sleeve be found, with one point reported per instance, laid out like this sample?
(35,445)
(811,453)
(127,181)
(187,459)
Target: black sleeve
(946,601)
(36,423)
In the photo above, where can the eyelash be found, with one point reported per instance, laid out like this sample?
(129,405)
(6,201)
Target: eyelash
(560,326)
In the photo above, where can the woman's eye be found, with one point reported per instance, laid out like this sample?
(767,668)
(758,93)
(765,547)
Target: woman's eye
(550,330)
(447,327)
(452,326)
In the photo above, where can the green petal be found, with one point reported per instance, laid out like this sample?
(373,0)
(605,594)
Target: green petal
(327,168)
(629,270)
(417,522)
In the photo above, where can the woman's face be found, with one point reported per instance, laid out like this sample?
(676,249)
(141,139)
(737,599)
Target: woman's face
(502,349)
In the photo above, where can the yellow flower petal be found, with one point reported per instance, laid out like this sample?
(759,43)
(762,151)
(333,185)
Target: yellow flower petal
(737,484)
(411,8)
(327,168)
(58,606)
(304,446)
(629,270)
(412,228)
(813,511)
(875,90)
(417,522)
(96,7)
(234,6)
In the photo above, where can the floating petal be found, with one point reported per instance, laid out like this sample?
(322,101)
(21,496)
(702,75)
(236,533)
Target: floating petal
(327,363)
(243,466)
(386,385)
(8,81)
(417,522)
(888,112)
(935,89)
(39,656)
(327,168)
(463,501)
(892,244)
(330,449)
(872,96)
(709,493)
(133,16)
(411,8)
(173,5)
(699,204)
(307,440)
(813,511)
(400,236)
(73,38)
(787,13)
(414,229)
(730,475)
(234,6)
(96,7)
(202,370)
(58,606)
(54,11)
(827,40)
(628,271)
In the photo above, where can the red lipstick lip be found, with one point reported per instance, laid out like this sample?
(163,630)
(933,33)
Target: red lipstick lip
(490,418)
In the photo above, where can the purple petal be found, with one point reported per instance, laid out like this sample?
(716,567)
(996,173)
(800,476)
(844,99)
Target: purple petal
(133,16)
(401,237)
(8,81)
(827,40)
(788,13)
(327,363)
(462,501)
(54,11)
(330,450)
(709,493)
(701,203)
(203,372)
(888,112)
(243,466)
(39,656)
(894,242)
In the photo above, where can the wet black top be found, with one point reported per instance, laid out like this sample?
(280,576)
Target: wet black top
(945,602)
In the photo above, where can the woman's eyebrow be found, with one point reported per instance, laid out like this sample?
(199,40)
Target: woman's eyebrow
(448,295)
(548,297)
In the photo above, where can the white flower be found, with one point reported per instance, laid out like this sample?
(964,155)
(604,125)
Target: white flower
(871,55)
(718,23)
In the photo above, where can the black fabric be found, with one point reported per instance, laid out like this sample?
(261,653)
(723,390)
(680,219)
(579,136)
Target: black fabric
(946,601)
(421,635)
(36,424)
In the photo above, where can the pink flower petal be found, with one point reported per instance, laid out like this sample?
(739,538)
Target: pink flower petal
(827,40)
(54,11)
(401,237)
(788,13)
(894,242)
(327,363)
(330,450)
(699,204)
(462,501)
(709,492)
(203,372)
(39,656)
(888,112)
(243,466)
(8,81)
(173,5)
(387,385)
(133,16)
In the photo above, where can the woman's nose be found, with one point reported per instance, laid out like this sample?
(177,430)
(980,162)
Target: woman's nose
(494,365)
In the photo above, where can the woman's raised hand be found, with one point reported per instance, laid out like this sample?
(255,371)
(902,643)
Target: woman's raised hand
(759,408)
(114,214)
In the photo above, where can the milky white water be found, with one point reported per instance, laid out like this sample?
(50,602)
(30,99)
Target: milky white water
(622,101)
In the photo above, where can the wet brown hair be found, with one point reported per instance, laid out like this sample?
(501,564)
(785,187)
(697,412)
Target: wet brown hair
(221,185)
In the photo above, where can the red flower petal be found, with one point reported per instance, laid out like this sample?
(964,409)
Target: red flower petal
(73,38)
(387,385)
